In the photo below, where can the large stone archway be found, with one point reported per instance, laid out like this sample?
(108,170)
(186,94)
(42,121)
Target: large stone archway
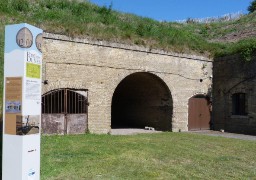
(142,99)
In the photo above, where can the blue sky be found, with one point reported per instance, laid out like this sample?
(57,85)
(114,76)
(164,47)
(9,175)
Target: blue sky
(171,10)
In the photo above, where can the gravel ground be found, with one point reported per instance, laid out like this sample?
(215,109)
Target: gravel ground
(132,131)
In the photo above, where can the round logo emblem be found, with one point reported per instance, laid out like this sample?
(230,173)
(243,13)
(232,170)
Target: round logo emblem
(24,38)
(39,40)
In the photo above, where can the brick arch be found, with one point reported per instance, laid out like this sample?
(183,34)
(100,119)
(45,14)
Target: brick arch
(142,99)
(60,85)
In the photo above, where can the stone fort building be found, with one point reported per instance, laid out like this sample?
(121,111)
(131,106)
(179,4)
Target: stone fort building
(96,86)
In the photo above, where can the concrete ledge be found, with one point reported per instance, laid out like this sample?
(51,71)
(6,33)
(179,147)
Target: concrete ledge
(122,46)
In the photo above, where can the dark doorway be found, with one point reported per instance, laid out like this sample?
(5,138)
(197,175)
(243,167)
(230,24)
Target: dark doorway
(64,111)
(140,100)
(199,113)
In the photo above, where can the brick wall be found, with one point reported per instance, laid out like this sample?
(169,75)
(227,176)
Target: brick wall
(233,75)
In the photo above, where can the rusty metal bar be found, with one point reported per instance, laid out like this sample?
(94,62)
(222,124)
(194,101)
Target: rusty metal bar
(48,104)
(64,101)
(61,97)
(68,96)
(51,103)
(65,111)
(58,107)
(80,103)
(76,95)
(86,105)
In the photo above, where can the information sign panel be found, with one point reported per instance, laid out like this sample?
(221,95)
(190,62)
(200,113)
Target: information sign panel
(22,102)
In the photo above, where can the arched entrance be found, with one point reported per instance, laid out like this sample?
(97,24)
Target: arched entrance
(199,113)
(140,100)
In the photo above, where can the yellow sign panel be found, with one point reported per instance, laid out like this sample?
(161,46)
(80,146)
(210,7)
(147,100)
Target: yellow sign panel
(33,71)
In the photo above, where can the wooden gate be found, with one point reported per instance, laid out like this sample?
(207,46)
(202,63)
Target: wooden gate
(199,114)
(64,111)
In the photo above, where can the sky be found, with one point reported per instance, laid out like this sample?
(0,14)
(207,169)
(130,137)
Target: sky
(172,10)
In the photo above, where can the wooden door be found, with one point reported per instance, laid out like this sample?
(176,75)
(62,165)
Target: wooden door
(198,114)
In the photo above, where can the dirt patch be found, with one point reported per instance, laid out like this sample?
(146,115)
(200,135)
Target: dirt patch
(236,36)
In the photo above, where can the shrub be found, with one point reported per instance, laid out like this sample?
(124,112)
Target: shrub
(252,7)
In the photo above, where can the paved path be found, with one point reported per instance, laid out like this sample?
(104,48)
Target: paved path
(225,134)
(130,131)
(133,131)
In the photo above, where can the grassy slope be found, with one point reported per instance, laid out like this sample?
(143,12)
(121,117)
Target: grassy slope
(148,156)
(75,18)
(83,19)
(219,30)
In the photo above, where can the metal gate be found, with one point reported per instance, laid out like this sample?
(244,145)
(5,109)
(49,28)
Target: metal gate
(198,114)
(64,111)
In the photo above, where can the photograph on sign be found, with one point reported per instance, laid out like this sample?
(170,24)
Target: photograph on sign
(26,125)
(12,107)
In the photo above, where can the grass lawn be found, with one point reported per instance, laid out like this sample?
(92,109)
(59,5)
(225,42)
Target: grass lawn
(147,156)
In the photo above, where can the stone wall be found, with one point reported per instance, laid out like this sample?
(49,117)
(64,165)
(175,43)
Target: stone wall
(100,66)
(233,75)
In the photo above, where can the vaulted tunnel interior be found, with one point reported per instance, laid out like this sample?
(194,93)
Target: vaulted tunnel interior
(142,99)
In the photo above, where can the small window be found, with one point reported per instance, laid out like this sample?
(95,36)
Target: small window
(239,104)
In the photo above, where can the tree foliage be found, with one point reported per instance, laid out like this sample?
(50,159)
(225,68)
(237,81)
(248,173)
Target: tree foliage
(252,7)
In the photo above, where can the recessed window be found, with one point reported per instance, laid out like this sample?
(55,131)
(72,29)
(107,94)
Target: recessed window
(239,104)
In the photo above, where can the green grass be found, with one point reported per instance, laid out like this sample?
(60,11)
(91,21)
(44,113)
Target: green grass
(147,156)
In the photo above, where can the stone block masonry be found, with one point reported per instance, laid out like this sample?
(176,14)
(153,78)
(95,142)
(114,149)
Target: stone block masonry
(234,94)
(100,66)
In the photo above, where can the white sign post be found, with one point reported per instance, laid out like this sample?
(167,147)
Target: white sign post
(22,102)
